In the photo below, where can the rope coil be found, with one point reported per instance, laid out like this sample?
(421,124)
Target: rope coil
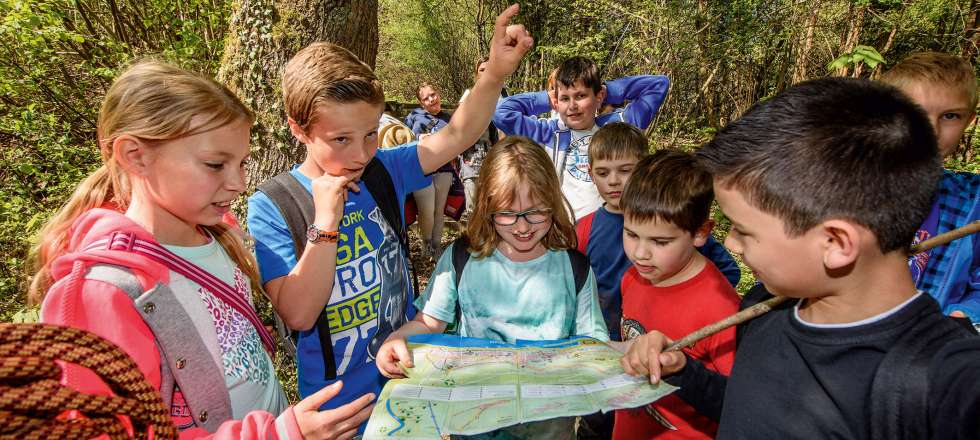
(32,397)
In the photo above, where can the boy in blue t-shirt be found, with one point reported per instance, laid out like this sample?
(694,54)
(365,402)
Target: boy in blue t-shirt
(352,274)
(946,88)
(615,150)
(579,93)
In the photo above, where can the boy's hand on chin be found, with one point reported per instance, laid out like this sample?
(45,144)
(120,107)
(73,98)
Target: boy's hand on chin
(508,46)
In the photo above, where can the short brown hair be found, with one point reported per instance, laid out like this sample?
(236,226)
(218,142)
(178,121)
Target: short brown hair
(828,148)
(579,69)
(935,68)
(669,186)
(325,72)
(511,162)
(617,140)
(418,90)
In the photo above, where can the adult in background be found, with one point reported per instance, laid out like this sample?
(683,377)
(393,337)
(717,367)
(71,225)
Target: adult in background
(431,200)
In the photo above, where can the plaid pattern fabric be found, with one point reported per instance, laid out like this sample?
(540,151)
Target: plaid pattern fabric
(958,205)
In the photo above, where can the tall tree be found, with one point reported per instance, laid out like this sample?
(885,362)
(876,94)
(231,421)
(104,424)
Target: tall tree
(262,36)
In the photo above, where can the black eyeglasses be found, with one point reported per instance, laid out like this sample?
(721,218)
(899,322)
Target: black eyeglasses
(533,216)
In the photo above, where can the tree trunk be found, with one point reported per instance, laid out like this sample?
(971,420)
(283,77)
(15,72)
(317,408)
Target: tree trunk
(855,25)
(971,35)
(803,56)
(262,36)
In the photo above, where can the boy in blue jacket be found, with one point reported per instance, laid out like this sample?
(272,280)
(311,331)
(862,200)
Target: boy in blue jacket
(946,88)
(579,93)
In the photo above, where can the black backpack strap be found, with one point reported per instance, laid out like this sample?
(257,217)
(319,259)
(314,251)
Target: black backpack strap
(378,182)
(461,254)
(296,205)
(899,401)
(580,268)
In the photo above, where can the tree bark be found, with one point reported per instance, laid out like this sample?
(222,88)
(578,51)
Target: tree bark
(262,36)
(803,56)
(971,35)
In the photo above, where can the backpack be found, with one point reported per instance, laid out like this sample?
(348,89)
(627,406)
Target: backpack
(899,390)
(296,205)
(461,255)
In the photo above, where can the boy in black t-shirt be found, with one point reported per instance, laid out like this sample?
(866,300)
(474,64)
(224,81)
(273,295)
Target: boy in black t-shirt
(825,184)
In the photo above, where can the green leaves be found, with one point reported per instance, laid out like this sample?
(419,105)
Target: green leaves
(860,55)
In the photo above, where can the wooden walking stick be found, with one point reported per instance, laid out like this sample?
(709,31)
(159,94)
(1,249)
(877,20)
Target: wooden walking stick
(769,304)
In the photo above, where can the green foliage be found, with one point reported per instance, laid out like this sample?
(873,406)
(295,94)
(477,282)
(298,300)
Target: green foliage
(57,57)
(860,55)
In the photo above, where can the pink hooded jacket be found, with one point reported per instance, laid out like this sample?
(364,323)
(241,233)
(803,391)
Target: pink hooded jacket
(107,311)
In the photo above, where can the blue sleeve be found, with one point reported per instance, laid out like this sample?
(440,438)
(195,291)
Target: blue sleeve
(274,247)
(645,93)
(402,163)
(414,122)
(723,260)
(970,301)
(516,115)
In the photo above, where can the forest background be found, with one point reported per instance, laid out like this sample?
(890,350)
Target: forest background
(57,58)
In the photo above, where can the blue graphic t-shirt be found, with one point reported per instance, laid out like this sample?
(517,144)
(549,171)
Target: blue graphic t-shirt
(371,276)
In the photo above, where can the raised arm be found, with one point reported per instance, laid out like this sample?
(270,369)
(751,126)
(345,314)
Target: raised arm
(516,115)
(508,46)
(645,93)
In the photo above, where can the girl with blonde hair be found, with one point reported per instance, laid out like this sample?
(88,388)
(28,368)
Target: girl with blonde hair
(519,282)
(140,256)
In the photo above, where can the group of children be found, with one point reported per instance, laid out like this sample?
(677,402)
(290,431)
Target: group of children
(825,185)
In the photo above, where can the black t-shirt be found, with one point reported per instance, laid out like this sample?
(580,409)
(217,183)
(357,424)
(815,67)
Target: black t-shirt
(793,380)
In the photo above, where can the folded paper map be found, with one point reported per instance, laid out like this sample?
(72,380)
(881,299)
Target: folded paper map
(470,386)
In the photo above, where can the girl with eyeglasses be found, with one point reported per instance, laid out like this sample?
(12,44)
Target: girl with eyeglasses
(518,282)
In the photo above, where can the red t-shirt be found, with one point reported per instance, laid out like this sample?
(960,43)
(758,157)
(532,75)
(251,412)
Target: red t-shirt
(676,311)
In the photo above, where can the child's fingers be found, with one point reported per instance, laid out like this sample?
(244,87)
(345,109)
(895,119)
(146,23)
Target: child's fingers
(315,400)
(359,419)
(500,25)
(633,362)
(344,416)
(652,362)
(517,36)
(403,355)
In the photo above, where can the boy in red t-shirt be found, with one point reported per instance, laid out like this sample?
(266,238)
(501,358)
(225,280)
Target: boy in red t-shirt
(671,287)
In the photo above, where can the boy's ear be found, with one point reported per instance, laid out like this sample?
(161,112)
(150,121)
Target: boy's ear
(298,131)
(841,243)
(703,232)
(132,154)
(602,94)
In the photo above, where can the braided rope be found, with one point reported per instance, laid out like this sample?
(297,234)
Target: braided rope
(31,395)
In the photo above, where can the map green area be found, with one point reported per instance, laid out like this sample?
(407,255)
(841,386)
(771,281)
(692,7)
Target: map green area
(470,386)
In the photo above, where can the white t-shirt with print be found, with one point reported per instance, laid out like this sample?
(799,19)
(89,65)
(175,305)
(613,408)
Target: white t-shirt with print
(249,373)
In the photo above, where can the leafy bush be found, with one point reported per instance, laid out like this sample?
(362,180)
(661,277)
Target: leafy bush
(56,61)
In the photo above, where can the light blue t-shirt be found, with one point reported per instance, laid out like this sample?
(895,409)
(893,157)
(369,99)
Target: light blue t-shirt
(506,300)
(371,270)
(249,373)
